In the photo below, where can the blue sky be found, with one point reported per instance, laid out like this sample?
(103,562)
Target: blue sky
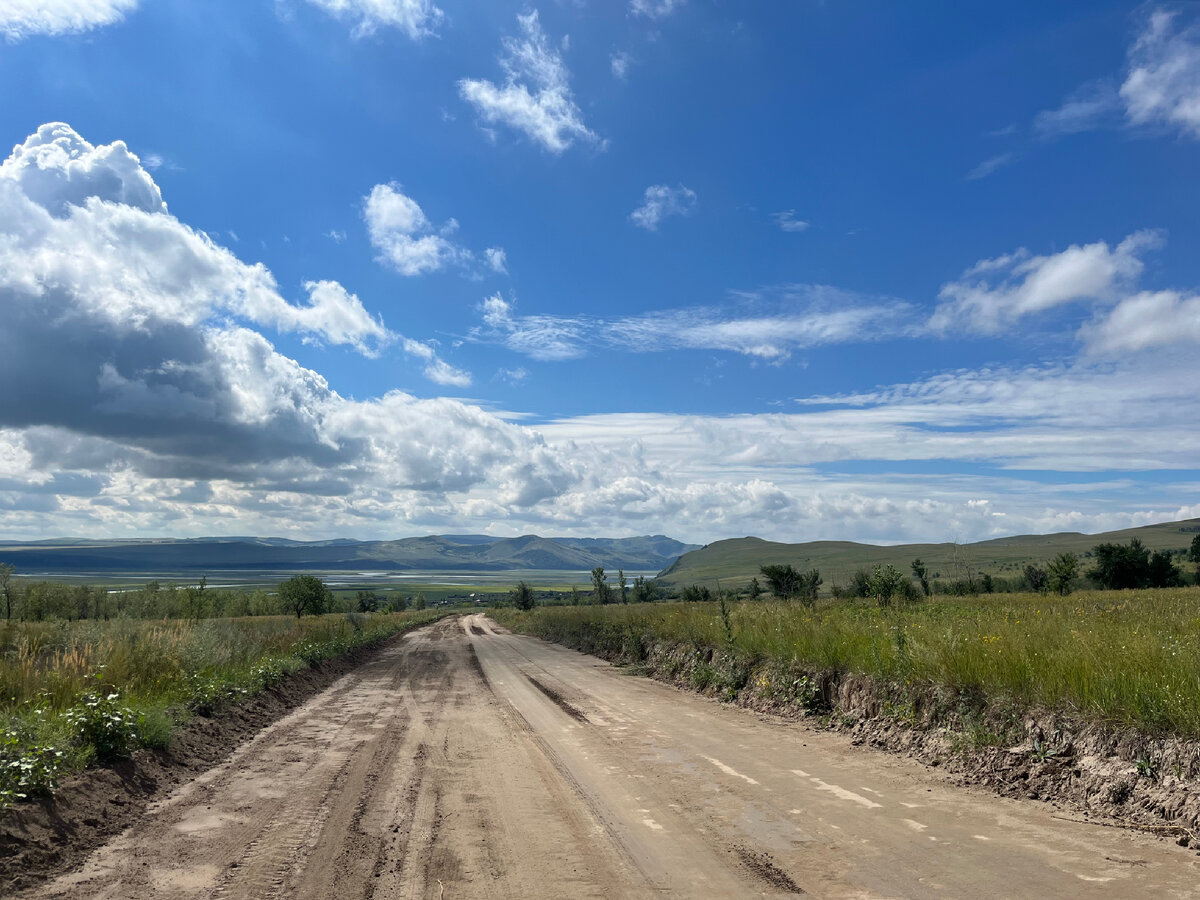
(374,268)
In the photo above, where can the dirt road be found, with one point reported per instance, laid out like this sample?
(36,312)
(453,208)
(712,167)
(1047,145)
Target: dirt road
(463,762)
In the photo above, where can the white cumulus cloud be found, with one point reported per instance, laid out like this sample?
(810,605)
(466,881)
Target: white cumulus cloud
(536,95)
(1144,321)
(408,242)
(994,294)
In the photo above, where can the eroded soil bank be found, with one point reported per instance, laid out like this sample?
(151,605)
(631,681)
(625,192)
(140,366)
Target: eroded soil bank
(48,835)
(1092,771)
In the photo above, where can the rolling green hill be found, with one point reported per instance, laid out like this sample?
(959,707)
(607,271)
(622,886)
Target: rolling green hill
(735,562)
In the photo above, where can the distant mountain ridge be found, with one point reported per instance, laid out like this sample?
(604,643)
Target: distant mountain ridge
(444,552)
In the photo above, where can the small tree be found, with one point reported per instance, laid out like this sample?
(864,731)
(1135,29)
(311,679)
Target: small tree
(419,602)
(6,573)
(755,589)
(305,594)
(1193,555)
(860,583)
(886,583)
(1162,572)
(921,573)
(645,591)
(522,596)
(1120,566)
(1036,578)
(1061,573)
(368,601)
(623,585)
(784,581)
(601,591)
(810,581)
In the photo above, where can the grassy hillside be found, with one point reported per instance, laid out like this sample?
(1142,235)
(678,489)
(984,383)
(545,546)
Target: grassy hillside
(735,562)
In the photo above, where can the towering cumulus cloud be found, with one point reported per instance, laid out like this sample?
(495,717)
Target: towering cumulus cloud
(132,354)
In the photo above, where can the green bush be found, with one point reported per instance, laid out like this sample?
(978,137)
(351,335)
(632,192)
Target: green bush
(100,722)
(26,770)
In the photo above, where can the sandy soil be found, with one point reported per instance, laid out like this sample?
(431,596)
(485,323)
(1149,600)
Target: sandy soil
(467,762)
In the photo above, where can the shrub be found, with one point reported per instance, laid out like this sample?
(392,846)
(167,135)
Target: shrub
(26,771)
(99,721)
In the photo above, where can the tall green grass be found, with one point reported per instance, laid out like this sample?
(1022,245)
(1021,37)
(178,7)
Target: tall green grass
(1131,658)
(74,692)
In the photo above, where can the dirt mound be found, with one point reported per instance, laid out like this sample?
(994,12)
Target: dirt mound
(45,836)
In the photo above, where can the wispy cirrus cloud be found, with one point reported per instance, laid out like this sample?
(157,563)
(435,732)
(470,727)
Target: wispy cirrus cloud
(990,165)
(1159,88)
(787,221)
(1163,82)
(767,325)
(23,18)
(661,201)
(1161,85)
(654,9)
(546,338)
(535,97)
(1084,110)
(415,18)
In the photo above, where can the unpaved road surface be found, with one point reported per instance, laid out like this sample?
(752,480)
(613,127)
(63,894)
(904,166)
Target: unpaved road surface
(463,762)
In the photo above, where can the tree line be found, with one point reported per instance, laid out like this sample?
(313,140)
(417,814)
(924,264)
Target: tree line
(299,595)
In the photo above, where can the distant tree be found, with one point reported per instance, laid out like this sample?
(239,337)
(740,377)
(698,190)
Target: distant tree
(1036,578)
(1162,572)
(921,573)
(1193,555)
(368,601)
(986,583)
(784,581)
(860,584)
(695,593)
(622,585)
(810,581)
(755,589)
(522,596)
(1120,566)
(419,602)
(646,591)
(1061,573)
(886,582)
(193,598)
(304,594)
(6,573)
(601,591)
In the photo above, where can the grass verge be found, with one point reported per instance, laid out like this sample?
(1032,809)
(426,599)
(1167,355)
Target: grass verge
(1130,659)
(74,694)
